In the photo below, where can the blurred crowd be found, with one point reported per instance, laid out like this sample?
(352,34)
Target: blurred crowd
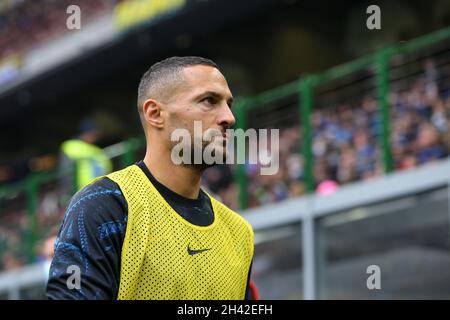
(15,231)
(25,24)
(346,142)
(346,148)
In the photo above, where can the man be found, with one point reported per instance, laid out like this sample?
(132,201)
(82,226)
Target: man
(82,158)
(149,231)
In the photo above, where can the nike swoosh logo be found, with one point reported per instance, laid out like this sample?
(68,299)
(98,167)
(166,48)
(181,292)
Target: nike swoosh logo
(192,252)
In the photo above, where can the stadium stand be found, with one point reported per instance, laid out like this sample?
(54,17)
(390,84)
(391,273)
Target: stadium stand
(33,23)
(345,141)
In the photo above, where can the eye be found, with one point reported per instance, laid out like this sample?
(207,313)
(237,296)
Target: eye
(209,100)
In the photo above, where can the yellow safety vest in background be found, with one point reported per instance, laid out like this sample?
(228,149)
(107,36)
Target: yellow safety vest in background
(90,160)
(166,257)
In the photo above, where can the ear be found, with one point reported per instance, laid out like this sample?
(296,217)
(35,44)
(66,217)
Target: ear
(151,112)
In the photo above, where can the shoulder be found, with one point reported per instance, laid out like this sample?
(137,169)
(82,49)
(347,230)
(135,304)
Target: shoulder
(128,177)
(99,201)
(98,191)
(232,216)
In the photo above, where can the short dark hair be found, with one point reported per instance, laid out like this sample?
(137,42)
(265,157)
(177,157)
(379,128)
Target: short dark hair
(166,72)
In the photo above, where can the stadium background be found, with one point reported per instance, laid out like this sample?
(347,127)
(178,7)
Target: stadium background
(363,117)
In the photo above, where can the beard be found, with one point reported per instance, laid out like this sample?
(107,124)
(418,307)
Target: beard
(199,151)
(217,150)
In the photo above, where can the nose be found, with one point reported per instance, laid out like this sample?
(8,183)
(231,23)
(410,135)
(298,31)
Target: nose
(226,118)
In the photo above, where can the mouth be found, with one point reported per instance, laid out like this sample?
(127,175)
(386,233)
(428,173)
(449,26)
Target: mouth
(224,136)
(220,141)
(220,136)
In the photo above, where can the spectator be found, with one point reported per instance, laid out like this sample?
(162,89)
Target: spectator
(428,145)
(82,154)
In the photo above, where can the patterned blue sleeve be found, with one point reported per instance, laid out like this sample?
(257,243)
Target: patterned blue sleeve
(86,263)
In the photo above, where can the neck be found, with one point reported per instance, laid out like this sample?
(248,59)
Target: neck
(182,180)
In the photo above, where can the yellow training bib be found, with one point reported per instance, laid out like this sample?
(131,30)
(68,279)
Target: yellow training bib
(166,257)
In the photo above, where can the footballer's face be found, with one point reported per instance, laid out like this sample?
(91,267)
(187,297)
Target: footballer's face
(203,97)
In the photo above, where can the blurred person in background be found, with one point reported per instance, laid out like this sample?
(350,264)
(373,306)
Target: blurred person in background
(428,144)
(83,158)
